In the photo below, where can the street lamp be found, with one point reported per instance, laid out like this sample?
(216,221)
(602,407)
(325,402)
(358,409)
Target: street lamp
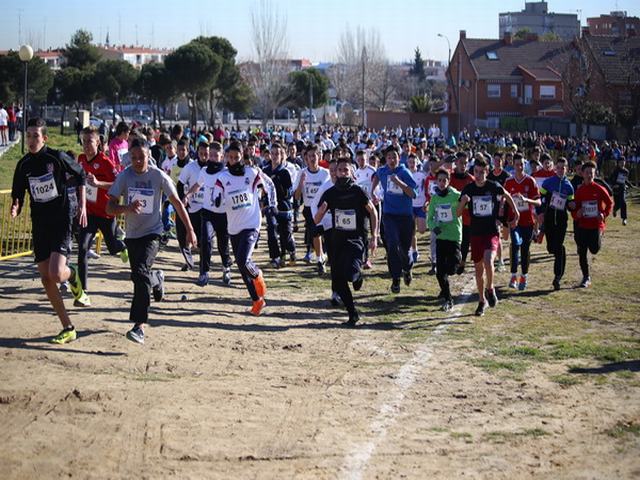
(448,44)
(25,54)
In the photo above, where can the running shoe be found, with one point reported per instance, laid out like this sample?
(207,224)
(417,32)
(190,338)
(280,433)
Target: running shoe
(321,268)
(357,283)
(136,334)
(395,285)
(275,263)
(335,299)
(83,301)
(482,306)
(124,255)
(292,259)
(513,283)
(203,280)
(432,271)
(65,336)
(260,285)
(624,222)
(158,289)
(522,285)
(354,317)
(556,283)
(307,258)
(408,276)
(586,282)
(64,287)
(92,255)
(447,305)
(492,298)
(226,276)
(74,282)
(258,306)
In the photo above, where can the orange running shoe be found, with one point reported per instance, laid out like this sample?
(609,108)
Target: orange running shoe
(260,285)
(258,305)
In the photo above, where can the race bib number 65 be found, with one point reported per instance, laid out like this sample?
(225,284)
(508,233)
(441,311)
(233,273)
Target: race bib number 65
(346,220)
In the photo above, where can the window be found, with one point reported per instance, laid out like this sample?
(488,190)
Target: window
(492,55)
(514,90)
(493,90)
(547,91)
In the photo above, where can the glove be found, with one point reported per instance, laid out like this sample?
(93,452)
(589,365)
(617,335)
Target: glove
(437,230)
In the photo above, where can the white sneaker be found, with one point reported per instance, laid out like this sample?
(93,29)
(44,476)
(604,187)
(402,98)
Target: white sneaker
(92,255)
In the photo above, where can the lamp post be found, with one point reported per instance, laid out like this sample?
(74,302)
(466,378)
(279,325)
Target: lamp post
(364,63)
(449,45)
(25,54)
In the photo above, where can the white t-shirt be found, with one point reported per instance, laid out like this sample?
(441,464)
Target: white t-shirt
(364,178)
(168,164)
(312,182)
(208,182)
(327,220)
(241,199)
(189,177)
(421,196)
(4,118)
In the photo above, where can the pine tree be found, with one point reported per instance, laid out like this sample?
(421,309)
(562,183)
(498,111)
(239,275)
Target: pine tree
(417,69)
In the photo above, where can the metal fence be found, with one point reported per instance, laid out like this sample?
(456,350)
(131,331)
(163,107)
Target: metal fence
(15,233)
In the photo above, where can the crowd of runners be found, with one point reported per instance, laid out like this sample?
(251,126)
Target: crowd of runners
(328,198)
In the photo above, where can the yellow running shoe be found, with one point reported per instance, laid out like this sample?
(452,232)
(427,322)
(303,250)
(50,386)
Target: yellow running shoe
(83,301)
(65,336)
(124,256)
(74,283)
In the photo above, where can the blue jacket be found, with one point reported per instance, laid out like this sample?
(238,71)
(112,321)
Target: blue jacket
(396,202)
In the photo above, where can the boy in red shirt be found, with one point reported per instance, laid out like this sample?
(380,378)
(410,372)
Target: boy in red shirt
(460,178)
(593,205)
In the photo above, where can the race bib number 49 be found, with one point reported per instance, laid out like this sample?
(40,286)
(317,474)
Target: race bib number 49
(482,206)
(43,189)
(144,196)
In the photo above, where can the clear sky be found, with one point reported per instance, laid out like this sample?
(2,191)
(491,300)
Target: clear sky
(314,26)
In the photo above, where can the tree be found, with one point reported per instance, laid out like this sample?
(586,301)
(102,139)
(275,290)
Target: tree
(229,75)
(12,78)
(80,52)
(194,68)
(74,86)
(550,37)
(417,69)
(299,88)
(267,74)
(423,104)
(115,80)
(156,85)
(238,99)
(522,33)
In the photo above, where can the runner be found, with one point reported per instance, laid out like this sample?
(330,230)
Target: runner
(482,196)
(399,189)
(364,179)
(280,224)
(498,175)
(593,205)
(460,179)
(524,191)
(237,189)
(212,218)
(419,213)
(446,225)
(310,180)
(349,205)
(556,193)
(181,232)
(101,173)
(619,179)
(142,186)
(43,172)
(431,189)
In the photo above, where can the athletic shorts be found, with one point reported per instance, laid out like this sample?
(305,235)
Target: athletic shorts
(418,212)
(51,236)
(482,243)
(3,127)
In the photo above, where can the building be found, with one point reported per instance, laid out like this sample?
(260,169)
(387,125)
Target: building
(536,19)
(53,58)
(617,24)
(136,56)
(494,78)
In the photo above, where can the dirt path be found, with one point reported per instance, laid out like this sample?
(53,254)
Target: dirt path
(218,394)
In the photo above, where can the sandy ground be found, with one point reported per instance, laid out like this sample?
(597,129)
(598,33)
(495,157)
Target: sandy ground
(216,393)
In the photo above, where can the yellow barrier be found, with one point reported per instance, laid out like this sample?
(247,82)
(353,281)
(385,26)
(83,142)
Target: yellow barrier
(15,233)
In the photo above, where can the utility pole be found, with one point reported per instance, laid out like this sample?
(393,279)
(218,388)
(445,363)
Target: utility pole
(364,63)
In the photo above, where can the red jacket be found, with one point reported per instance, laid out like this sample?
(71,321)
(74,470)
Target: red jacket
(104,170)
(593,200)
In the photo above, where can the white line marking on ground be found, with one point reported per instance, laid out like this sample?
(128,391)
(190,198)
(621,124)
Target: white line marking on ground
(358,457)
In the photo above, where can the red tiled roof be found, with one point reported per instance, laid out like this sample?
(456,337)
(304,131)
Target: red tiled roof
(618,58)
(547,73)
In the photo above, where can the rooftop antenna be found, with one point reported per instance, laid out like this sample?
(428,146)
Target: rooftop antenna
(120,29)
(137,43)
(20,26)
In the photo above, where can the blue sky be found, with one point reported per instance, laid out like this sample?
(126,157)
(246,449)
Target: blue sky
(314,27)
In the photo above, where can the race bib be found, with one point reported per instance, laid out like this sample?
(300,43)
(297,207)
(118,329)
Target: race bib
(558,201)
(444,214)
(521,204)
(393,188)
(621,179)
(241,199)
(145,196)
(198,197)
(366,187)
(92,193)
(345,220)
(43,189)
(482,206)
(73,199)
(590,209)
(311,190)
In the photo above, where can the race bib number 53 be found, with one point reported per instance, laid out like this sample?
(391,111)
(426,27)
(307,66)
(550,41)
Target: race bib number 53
(144,196)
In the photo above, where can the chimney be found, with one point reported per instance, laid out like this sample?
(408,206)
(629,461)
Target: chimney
(508,39)
(463,34)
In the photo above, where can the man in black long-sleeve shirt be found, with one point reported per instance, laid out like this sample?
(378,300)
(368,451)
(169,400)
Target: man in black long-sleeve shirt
(46,173)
